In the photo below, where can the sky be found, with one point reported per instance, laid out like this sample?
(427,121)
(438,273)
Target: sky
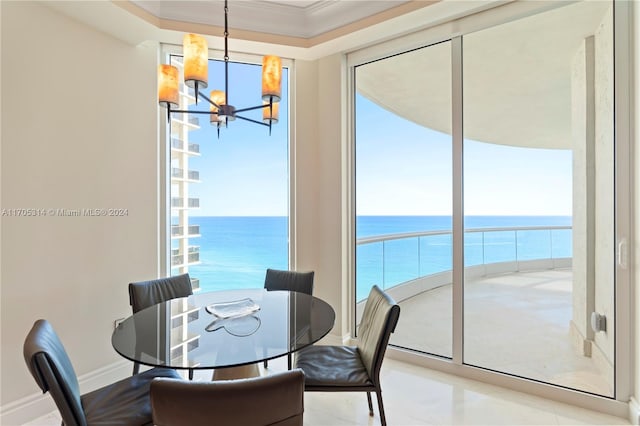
(406,169)
(245,171)
(401,168)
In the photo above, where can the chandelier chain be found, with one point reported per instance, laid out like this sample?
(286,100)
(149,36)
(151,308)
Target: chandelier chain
(226,32)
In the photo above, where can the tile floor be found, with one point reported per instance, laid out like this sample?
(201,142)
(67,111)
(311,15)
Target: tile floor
(418,396)
(531,308)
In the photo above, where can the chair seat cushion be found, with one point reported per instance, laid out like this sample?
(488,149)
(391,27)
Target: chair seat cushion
(332,366)
(125,402)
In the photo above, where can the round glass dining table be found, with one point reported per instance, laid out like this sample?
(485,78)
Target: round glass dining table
(223,329)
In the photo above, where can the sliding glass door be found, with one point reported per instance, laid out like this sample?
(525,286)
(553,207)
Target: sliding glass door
(533,101)
(403,194)
(538,206)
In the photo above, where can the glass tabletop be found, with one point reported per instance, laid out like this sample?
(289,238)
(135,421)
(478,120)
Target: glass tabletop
(223,329)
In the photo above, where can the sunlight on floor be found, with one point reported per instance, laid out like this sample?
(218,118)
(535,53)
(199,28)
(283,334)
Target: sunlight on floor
(516,323)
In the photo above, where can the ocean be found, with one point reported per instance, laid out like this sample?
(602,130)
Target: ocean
(236,251)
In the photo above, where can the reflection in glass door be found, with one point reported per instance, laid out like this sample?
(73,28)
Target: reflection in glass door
(529,197)
(538,184)
(403,192)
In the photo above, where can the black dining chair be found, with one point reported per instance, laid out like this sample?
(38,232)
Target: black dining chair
(143,294)
(276,399)
(301,282)
(354,368)
(125,402)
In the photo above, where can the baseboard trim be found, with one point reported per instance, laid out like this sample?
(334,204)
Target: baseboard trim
(332,339)
(634,411)
(26,409)
(37,405)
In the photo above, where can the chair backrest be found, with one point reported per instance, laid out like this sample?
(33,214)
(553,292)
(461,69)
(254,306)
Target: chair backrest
(51,368)
(276,399)
(379,320)
(301,282)
(148,293)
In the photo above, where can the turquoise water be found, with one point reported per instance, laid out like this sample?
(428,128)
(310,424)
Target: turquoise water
(236,251)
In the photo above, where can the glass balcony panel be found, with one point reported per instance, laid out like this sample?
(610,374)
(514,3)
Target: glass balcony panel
(401,261)
(369,268)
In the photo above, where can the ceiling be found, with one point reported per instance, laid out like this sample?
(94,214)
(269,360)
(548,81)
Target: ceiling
(297,29)
(303,19)
(521,96)
(516,91)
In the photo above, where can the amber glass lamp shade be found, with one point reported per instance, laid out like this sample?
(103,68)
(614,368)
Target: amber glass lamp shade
(168,86)
(196,60)
(270,115)
(218,97)
(271,78)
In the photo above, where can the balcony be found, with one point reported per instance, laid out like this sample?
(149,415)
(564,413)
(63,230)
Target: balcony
(195,284)
(193,255)
(178,258)
(179,203)
(179,145)
(517,287)
(177,231)
(180,118)
(178,174)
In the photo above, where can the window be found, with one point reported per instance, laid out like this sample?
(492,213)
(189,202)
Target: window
(486,170)
(229,189)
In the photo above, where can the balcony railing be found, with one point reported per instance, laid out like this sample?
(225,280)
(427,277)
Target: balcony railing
(193,256)
(195,284)
(179,145)
(178,202)
(178,231)
(389,260)
(178,173)
(186,118)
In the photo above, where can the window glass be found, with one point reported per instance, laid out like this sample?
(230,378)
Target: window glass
(229,185)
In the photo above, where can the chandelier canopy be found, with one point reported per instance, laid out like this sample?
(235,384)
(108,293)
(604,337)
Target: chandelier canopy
(195,71)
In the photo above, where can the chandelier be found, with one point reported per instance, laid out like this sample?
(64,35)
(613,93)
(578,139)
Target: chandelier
(195,69)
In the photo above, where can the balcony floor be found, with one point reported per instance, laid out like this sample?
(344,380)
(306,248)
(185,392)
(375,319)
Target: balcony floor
(516,323)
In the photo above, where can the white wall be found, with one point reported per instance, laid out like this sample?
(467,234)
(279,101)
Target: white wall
(319,174)
(96,146)
(604,184)
(79,130)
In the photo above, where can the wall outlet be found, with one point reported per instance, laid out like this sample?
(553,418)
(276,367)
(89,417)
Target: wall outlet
(598,322)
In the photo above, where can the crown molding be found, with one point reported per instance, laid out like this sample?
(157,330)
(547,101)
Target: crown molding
(315,22)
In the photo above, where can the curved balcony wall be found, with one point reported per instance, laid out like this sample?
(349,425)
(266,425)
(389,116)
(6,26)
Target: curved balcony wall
(408,264)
